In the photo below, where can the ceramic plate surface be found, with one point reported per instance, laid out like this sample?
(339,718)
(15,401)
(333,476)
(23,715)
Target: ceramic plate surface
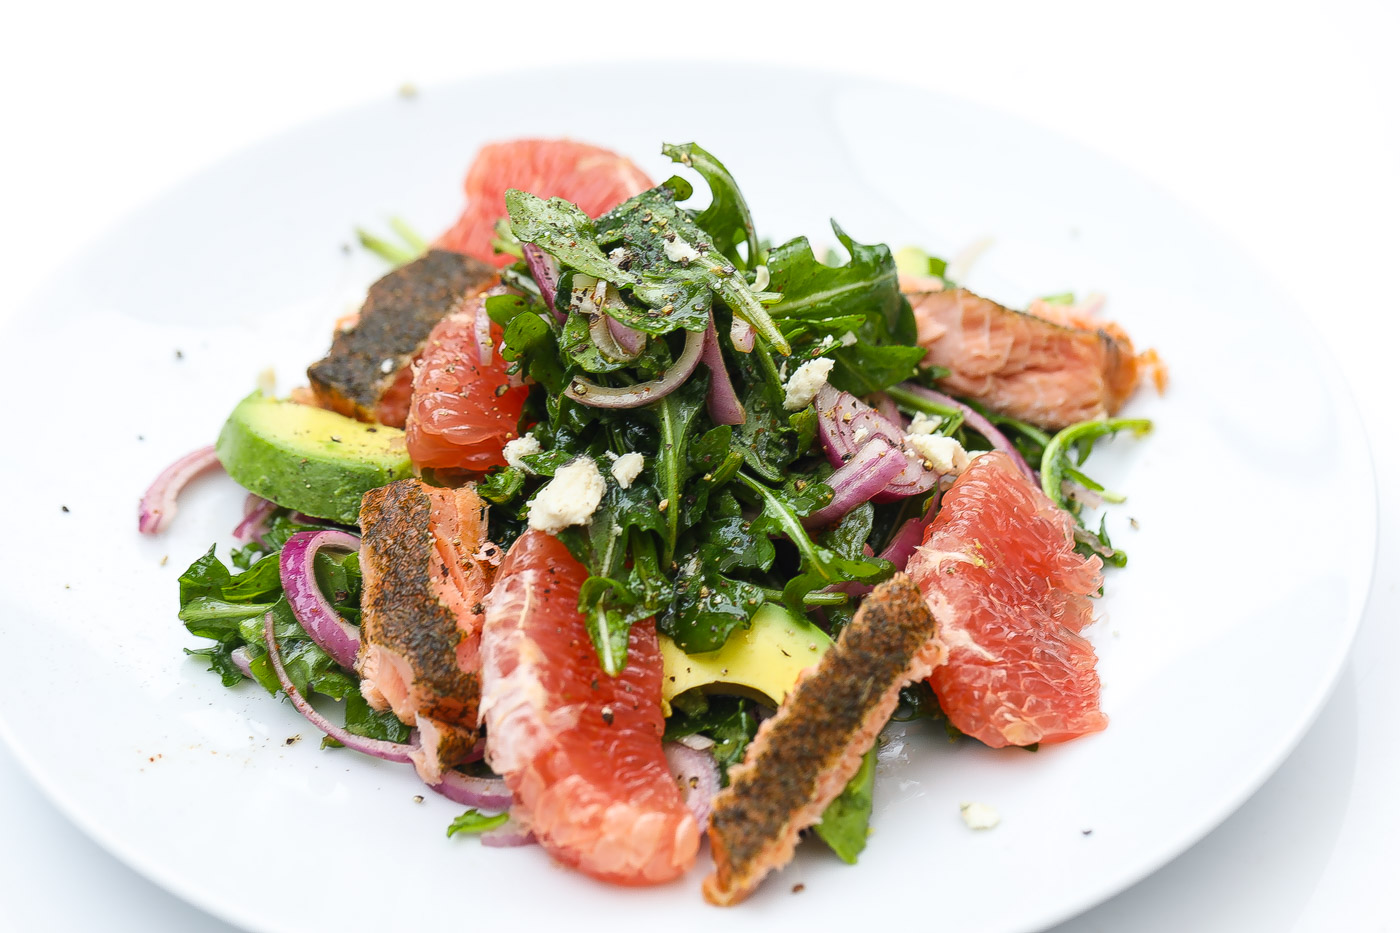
(1217,644)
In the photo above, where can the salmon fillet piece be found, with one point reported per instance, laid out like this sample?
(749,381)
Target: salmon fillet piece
(803,757)
(1022,365)
(420,629)
(368,372)
(579,749)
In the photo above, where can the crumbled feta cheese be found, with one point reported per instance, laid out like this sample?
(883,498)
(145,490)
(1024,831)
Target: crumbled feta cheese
(678,250)
(570,498)
(943,454)
(849,339)
(521,447)
(827,341)
(387,366)
(979,815)
(618,255)
(925,424)
(627,468)
(806,382)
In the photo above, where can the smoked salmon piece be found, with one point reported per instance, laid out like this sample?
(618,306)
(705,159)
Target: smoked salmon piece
(368,372)
(420,629)
(1023,365)
(579,749)
(803,757)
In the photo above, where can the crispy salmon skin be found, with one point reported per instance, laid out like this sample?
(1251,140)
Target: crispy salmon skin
(367,373)
(420,631)
(1023,365)
(803,756)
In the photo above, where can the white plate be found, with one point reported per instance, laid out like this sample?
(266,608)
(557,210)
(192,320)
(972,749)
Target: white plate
(1254,497)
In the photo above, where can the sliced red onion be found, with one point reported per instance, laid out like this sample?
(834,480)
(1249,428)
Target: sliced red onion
(158,504)
(508,835)
(643,393)
(909,536)
(602,330)
(334,635)
(889,410)
(545,271)
(241,660)
(867,473)
(975,421)
(482,793)
(741,334)
(698,776)
(721,401)
(630,340)
(256,511)
(845,423)
(378,748)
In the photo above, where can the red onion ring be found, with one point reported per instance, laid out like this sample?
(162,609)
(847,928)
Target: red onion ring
(643,393)
(545,271)
(377,748)
(975,421)
(721,401)
(241,660)
(507,835)
(841,417)
(698,776)
(482,793)
(158,504)
(297,564)
(889,410)
(629,340)
(256,511)
(741,335)
(867,473)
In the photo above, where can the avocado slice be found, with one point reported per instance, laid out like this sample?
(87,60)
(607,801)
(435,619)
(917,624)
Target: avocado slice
(762,661)
(309,459)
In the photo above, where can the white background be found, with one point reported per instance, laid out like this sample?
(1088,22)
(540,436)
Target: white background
(1280,122)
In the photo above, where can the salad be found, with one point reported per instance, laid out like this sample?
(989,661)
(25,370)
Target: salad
(625,526)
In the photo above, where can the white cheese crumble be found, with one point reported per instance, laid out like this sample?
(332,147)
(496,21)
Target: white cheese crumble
(806,382)
(570,498)
(849,339)
(521,447)
(925,424)
(979,815)
(387,366)
(943,454)
(678,250)
(627,468)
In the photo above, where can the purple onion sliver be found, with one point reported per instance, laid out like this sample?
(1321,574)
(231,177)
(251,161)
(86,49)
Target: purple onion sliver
(741,334)
(377,748)
(158,504)
(909,536)
(482,793)
(721,401)
(643,393)
(255,514)
(334,635)
(867,473)
(698,776)
(240,659)
(978,423)
(508,835)
(889,410)
(629,340)
(545,272)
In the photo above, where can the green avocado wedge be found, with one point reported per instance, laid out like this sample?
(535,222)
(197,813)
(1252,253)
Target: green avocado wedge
(309,459)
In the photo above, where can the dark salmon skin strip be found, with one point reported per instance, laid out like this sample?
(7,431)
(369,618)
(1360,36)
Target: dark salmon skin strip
(806,753)
(1022,365)
(367,373)
(420,630)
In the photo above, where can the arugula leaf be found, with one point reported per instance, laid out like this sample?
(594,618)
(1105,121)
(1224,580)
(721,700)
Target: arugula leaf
(708,606)
(674,416)
(474,821)
(1054,463)
(727,219)
(730,721)
(845,823)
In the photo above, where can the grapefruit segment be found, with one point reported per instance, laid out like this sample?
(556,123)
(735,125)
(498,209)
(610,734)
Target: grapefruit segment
(462,411)
(999,570)
(580,751)
(595,179)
